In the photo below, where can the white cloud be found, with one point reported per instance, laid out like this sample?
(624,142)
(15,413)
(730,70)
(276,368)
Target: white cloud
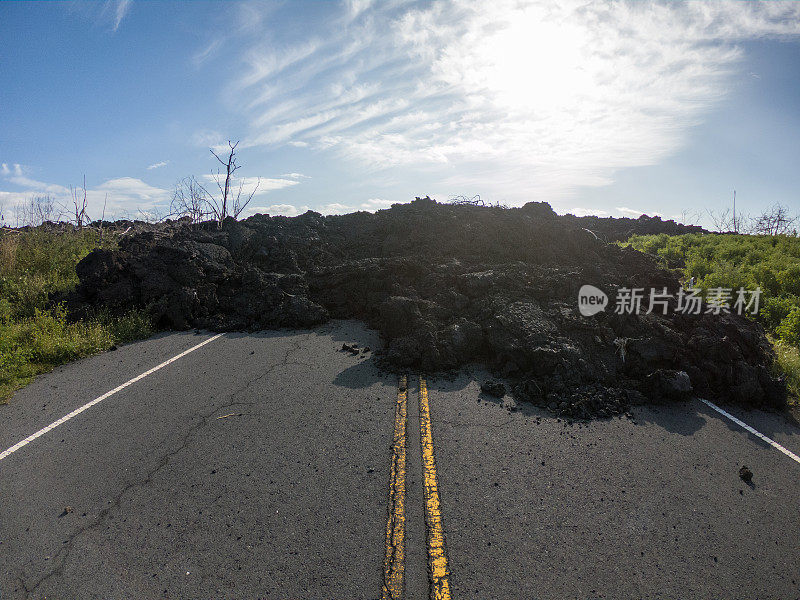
(585,212)
(356,7)
(121,196)
(536,98)
(38,186)
(634,212)
(335,208)
(295,176)
(251,185)
(374,204)
(132,187)
(16,170)
(126,195)
(109,13)
(208,51)
(16,175)
(287,210)
(157,165)
(208,138)
(121,8)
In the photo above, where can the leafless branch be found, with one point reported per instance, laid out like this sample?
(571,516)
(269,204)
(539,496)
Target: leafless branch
(35,211)
(464,201)
(190,199)
(238,205)
(226,205)
(79,214)
(775,221)
(725,221)
(102,221)
(154,215)
(691,217)
(474,201)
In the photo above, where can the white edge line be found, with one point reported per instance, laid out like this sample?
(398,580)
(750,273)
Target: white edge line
(747,427)
(99,399)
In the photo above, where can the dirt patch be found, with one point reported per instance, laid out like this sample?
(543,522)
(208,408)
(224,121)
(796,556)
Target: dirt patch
(446,285)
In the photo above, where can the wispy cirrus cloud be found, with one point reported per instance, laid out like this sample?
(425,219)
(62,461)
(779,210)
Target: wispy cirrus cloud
(109,13)
(250,185)
(158,165)
(16,174)
(207,51)
(531,98)
(120,8)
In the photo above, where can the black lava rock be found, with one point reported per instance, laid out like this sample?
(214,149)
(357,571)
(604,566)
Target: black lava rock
(447,285)
(493,388)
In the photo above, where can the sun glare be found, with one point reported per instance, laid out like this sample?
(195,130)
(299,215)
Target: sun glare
(536,64)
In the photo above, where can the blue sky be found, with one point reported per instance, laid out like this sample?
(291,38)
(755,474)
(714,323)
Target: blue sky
(605,108)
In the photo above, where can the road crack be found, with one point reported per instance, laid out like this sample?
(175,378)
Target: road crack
(64,552)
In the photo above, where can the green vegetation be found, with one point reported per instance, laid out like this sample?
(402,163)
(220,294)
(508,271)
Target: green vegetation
(749,261)
(787,362)
(34,335)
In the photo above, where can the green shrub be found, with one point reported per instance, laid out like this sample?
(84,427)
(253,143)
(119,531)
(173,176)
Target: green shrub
(765,278)
(789,329)
(35,336)
(787,364)
(734,261)
(133,325)
(698,267)
(774,310)
(789,280)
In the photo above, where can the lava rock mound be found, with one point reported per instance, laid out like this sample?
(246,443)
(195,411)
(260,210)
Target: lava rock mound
(446,285)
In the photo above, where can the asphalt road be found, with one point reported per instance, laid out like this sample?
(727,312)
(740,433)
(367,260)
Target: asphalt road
(261,466)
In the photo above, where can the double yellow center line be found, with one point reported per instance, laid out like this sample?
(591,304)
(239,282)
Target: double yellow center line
(437,557)
(394,561)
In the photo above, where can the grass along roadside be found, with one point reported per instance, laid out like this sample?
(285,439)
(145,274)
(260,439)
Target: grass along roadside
(35,337)
(771,263)
(787,362)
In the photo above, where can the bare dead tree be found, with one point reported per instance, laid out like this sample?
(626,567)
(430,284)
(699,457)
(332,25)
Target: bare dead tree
(238,203)
(78,212)
(775,220)
(691,217)
(152,215)
(464,201)
(190,199)
(228,205)
(102,222)
(35,211)
(474,201)
(726,222)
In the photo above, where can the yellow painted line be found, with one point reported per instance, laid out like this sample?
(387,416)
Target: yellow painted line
(394,564)
(437,556)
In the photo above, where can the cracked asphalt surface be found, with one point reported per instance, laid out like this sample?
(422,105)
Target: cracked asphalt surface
(258,467)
